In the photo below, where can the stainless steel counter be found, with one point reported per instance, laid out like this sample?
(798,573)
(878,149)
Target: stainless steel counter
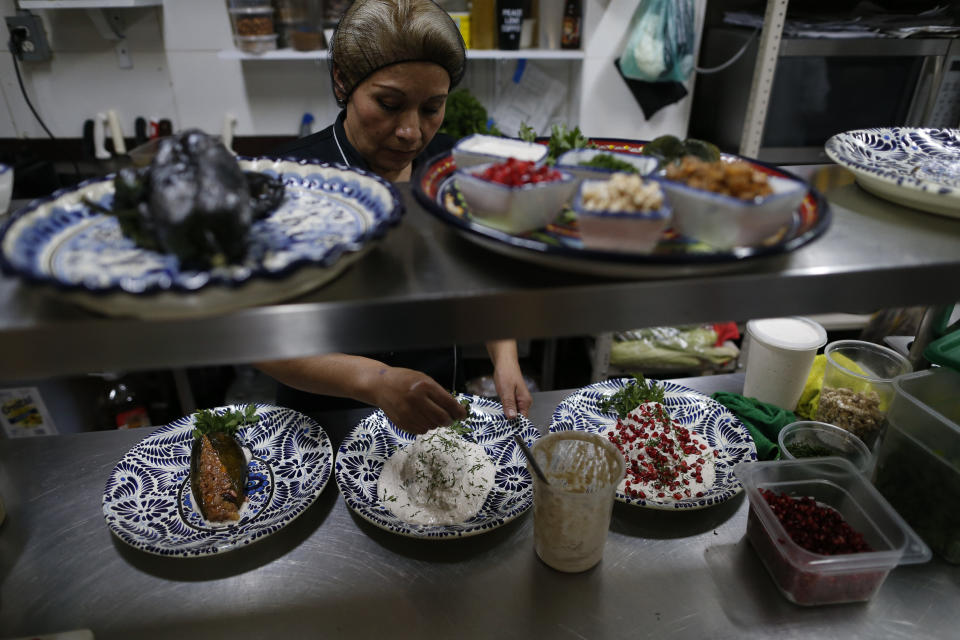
(426,285)
(330,574)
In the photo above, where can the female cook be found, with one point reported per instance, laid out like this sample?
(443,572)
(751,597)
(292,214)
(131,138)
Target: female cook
(392,64)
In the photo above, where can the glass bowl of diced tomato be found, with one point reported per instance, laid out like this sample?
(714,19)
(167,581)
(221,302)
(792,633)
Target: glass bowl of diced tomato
(514,195)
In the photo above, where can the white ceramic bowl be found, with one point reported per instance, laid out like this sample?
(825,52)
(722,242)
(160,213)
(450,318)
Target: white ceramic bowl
(482,149)
(625,231)
(6,187)
(570,161)
(725,221)
(514,209)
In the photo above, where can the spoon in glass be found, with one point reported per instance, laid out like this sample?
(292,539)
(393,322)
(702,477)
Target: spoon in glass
(529,456)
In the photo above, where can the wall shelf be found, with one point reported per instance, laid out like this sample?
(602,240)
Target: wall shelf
(472,54)
(88,4)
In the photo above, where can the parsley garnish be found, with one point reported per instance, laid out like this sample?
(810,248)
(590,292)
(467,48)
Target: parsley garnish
(460,426)
(635,393)
(207,422)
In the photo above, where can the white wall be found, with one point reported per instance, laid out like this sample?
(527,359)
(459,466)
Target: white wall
(177,73)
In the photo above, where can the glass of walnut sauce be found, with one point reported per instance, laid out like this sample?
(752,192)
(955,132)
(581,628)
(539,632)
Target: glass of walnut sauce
(858,387)
(571,511)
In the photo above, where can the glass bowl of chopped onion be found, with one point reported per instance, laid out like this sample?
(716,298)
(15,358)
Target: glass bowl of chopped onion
(624,213)
(730,203)
(811,439)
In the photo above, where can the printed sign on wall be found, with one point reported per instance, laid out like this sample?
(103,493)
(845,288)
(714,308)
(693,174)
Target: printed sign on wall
(22,413)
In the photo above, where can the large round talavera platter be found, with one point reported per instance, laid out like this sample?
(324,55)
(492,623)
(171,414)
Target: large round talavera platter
(558,245)
(916,167)
(329,217)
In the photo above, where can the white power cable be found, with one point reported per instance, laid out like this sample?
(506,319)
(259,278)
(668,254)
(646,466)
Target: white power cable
(735,57)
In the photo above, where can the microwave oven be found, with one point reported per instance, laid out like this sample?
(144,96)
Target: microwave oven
(822,87)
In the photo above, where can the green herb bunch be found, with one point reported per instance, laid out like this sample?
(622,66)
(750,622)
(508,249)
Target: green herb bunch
(465,115)
(631,396)
(207,422)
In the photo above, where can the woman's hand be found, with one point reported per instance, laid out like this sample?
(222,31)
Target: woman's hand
(508,379)
(414,401)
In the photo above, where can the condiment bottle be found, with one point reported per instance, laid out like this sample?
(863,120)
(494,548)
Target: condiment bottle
(572,19)
(509,23)
(120,407)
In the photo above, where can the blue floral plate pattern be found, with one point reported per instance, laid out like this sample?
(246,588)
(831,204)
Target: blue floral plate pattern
(147,501)
(328,217)
(371,443)
(919,168)
(703,415)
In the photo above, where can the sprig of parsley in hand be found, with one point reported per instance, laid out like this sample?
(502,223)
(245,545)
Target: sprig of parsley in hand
(207,422)
(631,396)
(460,426)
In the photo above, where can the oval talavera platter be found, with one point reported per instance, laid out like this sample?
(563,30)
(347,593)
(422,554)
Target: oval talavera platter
(559,246)
(148,503)
(366,449)
(330,216)
(919,168)
(702,415)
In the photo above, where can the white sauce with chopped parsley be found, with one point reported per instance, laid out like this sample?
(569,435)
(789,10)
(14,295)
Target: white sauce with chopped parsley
(439,479)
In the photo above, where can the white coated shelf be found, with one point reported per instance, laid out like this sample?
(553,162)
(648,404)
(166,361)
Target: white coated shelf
(472,54)
(88,4)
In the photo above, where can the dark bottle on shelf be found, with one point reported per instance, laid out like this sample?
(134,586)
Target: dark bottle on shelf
(509,23)
(572,20)
(120,405)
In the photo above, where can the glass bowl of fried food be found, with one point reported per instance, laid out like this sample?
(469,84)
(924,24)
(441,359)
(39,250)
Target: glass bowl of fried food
(730,202)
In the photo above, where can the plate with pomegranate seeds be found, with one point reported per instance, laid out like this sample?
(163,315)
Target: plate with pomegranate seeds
(680,445)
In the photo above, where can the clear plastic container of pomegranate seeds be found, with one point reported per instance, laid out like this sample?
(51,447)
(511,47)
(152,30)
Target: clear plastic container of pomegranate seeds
(810,578)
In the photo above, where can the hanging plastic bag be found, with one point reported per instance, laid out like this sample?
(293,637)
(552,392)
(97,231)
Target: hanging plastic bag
(661,42)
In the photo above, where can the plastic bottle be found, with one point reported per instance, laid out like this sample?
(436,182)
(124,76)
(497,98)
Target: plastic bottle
(483,24)
(572,20)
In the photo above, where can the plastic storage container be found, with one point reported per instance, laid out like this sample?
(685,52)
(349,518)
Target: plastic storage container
(918,462)
(256,44)
(810,439)
(858,387)
(807,578)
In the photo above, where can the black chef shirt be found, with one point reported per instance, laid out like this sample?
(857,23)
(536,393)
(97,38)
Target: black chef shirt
(331,145)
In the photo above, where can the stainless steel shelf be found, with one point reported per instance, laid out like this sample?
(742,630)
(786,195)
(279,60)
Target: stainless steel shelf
(88,4)
(425,285)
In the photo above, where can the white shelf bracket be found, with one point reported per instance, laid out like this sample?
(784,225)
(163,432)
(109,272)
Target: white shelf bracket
(110,26)
(763,72)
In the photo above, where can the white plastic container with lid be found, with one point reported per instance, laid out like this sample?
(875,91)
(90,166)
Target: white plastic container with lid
(779,354)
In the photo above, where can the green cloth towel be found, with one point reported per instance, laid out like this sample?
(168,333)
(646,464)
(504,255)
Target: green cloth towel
(762,420)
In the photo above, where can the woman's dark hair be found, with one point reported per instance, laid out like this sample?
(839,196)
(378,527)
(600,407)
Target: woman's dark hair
(373,34)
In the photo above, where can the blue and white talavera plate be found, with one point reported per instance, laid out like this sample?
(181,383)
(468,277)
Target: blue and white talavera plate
(703,415)
(919,168)
(330,216)
(147,501)
(364,451)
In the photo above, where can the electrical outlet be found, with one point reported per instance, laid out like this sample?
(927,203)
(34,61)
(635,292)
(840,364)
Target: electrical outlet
(26,30)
